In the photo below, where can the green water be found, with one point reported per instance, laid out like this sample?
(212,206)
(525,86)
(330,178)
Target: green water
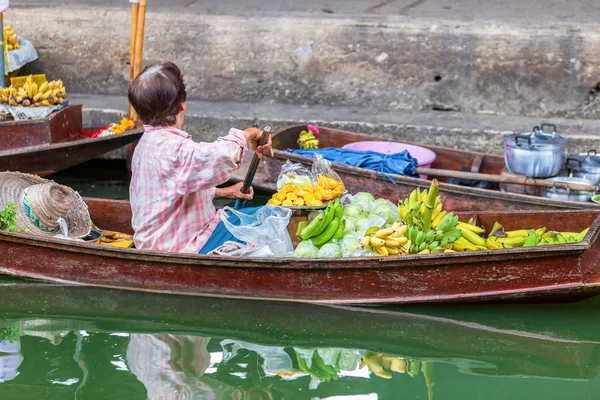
(61,342)
(81,343)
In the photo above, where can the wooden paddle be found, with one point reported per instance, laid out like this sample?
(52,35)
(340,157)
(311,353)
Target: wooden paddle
(253,167)
(475,176)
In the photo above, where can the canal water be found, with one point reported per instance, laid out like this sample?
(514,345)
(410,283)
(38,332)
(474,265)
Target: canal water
(61,342)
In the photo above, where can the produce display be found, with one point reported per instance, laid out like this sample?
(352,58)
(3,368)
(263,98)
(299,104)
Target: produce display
(307,138)
(117,129)
(418,225)
(116,239)
(31,95)
(11,40)
(299,187)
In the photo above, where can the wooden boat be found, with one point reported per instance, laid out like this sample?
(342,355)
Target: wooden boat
(357,179)
(560,342)
(562,272)
(48,145)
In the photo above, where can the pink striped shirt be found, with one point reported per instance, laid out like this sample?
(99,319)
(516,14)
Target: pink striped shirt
(173,186)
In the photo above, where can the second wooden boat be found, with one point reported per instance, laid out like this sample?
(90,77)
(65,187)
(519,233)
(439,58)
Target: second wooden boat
(359,179)
(48,145)
(560,273)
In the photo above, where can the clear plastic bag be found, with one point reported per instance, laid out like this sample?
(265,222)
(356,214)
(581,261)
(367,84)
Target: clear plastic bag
(327,179)
(296,174)
(265,230)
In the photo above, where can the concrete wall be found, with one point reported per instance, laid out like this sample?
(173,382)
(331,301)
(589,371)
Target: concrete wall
(384,63)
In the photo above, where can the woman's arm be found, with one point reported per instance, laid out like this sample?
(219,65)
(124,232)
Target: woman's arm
(202,166)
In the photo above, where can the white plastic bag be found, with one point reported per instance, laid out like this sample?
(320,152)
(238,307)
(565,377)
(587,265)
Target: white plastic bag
(267,229)
(296,174)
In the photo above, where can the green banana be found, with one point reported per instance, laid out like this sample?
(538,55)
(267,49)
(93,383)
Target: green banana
(560,239)
(301,226)
(433,245)
(420,238)
(532,239)
(329,216)
(339,233)
(429,236)
(311,229)
(339,209)
(327,234)
(582,234)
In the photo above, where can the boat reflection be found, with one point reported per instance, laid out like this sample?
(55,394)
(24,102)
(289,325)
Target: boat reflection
(170,347)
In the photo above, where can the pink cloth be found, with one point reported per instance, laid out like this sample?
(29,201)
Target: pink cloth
(173,186)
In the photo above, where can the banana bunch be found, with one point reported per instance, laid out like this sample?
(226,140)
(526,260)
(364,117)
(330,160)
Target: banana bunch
(470,237)
(30,95)
(11,40)
(326,226)
(387,242)
(501,239)
(430,228)
(377,363)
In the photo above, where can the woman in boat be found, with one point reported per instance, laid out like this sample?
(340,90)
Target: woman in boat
(174,179)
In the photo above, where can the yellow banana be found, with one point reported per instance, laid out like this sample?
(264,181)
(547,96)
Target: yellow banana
(382,250)
(13,91)
(33,89)
(393,251)
(55,92)
(382,234)
(19,99)
(436,211)
(377,242)
(46,94)
(400,231)
(517,233)
(392,243)
(46,103)
(435,222)
(396,225)
(43,87)
(472,228)
(462,244)
(25,87)
(471,236)
(492,244)
(449,251)
(364,242)
(426,251)
(38,97)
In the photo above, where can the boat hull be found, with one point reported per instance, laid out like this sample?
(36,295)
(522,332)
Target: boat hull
(566,272)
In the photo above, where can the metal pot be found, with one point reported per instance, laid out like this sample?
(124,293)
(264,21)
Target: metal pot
(587,167)
(560,192)
(535,154)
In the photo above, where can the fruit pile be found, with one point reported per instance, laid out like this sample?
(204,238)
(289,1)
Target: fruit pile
(307,138)
(11,40)
(427,227)
(308,195)
(117,129)
(30,95)
(325,228)
(501,239)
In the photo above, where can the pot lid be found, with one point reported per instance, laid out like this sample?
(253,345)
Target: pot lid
(591,161)
(537,138)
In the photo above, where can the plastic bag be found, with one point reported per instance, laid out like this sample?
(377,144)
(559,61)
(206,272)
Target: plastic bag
(330,182)
(296,174)
(265,230)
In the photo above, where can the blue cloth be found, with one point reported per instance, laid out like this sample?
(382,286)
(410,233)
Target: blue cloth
(222,235)
(398,163)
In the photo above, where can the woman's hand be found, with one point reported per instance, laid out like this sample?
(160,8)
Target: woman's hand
(235,192)
(253,136)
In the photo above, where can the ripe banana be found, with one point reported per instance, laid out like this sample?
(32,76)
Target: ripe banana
(377,242)
(471,236)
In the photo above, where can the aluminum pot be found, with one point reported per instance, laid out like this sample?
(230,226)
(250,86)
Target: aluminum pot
(564,193)
(587,167)
(535,154)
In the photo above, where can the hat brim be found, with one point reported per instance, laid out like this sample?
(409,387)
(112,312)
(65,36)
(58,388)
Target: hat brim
(12,185)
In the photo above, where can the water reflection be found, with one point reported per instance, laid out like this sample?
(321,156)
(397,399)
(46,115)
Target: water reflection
(58,342)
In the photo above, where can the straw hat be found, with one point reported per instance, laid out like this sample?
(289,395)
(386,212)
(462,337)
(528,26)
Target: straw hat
(40,203)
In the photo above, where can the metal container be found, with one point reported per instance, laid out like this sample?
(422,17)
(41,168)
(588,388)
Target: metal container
(562,192)
(587,167)
(536,154)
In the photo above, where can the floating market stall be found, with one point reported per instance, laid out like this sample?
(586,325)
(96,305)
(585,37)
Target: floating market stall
(467,179)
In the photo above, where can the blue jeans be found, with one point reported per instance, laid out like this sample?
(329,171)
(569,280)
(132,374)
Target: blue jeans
(222,235)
